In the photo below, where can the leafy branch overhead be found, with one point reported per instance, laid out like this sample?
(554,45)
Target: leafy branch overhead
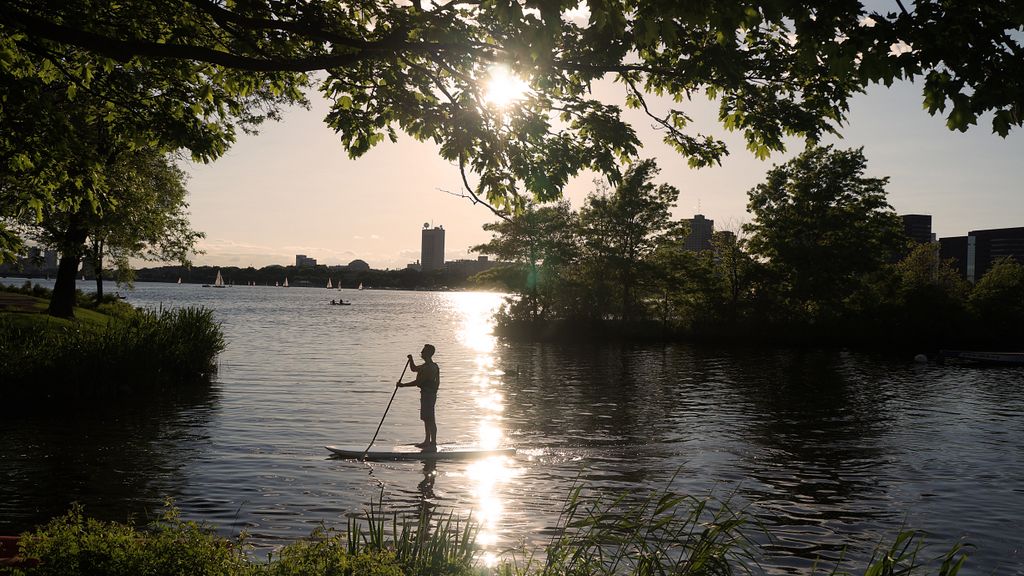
(777,68)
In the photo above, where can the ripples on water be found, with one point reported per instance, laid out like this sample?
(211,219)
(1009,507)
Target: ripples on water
(832,451)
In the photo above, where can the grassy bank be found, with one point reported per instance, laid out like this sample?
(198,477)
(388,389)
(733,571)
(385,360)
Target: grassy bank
(110,348)
(664,534)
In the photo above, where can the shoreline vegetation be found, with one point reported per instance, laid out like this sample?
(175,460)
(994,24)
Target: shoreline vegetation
(824,261)
(109,347)
(663,533)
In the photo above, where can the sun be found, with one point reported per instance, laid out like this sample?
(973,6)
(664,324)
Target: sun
(503,88)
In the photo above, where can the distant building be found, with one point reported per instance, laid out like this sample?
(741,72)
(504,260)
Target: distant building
(358,265)
(432,252)
(470,267)
(36,261)
(993,245)
(957,249)
(301,260)
(701,231)
(976,252)
(918,227)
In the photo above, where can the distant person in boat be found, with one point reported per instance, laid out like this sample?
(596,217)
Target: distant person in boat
(428,380)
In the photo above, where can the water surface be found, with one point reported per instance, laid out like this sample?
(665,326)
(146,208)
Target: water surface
(831,450)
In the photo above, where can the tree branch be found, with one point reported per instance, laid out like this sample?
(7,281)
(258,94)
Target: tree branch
(472,195)
(123,50)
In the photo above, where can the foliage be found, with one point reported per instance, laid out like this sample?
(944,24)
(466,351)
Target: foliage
(149,220)
(74,118)
(630,535)
(660,534)
(819,226)
(542,243)
(73,544)
(145,217)
(621,230)
(997,302)
(140,350)
(776,68)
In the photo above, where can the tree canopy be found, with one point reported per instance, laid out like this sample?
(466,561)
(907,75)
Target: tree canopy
(820,225)
(777,68)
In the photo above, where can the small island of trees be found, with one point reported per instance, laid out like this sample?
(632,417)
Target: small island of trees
(824,261)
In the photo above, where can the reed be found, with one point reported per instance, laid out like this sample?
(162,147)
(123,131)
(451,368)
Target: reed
(135,350)
(659,535)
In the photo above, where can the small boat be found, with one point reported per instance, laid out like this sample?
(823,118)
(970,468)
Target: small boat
(218,283)
(329,285)
(179,279)
(340,303)
(360,286)
(982,357)
(9,558)
(285,282)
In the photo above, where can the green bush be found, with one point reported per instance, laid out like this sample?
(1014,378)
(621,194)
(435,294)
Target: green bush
(659,535)
(72,544)
(138,349)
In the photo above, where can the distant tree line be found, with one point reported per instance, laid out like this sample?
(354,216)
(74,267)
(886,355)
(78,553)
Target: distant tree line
(824,261)
(315,276)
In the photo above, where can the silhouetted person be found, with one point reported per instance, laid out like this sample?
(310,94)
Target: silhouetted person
(428,379)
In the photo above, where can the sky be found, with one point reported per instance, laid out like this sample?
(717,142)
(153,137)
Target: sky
(291,189)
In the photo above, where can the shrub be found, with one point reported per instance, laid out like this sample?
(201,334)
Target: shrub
(140,349)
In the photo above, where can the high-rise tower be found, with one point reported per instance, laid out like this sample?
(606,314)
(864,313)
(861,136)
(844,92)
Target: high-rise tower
(432,253)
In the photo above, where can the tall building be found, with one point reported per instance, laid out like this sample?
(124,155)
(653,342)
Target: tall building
(701,230)
(993,245)
(432,251)
(976,252)
(918,227)
(303,260)
(962,253)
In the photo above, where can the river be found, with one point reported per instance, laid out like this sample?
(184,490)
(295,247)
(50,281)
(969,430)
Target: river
(834,451)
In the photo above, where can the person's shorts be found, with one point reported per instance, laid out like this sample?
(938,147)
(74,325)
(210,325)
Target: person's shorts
(427,407)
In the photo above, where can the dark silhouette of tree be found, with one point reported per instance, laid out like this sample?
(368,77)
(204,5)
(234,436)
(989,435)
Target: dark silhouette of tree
(819,226)
(621,229)
(777,68)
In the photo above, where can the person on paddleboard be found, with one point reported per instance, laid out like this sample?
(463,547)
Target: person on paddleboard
(428,379)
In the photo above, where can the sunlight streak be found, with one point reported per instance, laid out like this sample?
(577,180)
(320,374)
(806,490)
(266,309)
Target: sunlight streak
(487,476)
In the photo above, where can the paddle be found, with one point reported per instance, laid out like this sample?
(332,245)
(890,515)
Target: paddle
(404,368)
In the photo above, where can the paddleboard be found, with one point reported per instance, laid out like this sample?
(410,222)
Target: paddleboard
(414,453)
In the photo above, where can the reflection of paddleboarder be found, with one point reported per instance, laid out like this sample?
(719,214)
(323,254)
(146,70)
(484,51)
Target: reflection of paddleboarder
(428,379)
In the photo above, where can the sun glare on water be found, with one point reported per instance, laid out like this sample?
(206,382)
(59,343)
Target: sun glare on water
(503,88)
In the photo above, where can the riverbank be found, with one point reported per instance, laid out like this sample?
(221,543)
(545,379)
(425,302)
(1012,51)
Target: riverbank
(662,533)
(111,348)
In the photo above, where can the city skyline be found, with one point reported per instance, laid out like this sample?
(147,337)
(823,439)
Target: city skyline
(291,189)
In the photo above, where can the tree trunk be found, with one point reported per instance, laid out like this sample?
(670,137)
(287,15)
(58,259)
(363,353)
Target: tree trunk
(62,302)
(97,266)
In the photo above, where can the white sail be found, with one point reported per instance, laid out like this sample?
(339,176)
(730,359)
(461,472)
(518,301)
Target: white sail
(285,282)
(219,282)
(360,286)
(329,285)
(179,280)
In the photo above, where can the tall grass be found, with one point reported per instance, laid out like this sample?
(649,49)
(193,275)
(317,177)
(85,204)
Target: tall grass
(663,534)
(140,349)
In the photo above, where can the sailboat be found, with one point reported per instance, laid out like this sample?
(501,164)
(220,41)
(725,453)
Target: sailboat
(179,279)
(360,286)
(218,283)
(285,282)
(329,285)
